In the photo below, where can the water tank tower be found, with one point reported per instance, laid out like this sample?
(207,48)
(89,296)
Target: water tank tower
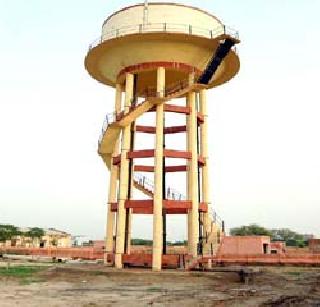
(153,54)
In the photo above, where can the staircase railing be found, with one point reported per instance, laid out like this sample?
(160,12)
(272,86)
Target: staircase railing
(171,194)
(216,218)
(165,27)
(147,184)
(148,92)
(144,182)
(109,119)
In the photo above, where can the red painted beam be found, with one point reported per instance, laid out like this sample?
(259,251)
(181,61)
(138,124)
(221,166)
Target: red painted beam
(143,168)
(169,169)
(177,204)
(114,207)
(201,161)
(200,118)
(178,168)
(146,153)
(176,211)
(170,153)
(173,109)
(175,129)
(168,211)
(145,206)
(142,210)
(203,207)
(176,109)
(167,130)
(144,203)
(146,129)
(150,153)
(116,160)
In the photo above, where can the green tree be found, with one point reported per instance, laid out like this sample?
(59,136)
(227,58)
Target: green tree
(177,243)
(282,234)
(141,242)
(35,232)
(251,230)
(7,232)
(54,242)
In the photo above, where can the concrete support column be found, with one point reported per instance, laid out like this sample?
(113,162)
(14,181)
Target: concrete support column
(188,173)
(129,212)
(193,240)
(204,154)
(113,181)
(158,177)
(124,176)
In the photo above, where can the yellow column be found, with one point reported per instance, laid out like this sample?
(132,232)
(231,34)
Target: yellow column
(158,177)
(113,181)
(124,177)
(188,173)
(204,153)
(193,179)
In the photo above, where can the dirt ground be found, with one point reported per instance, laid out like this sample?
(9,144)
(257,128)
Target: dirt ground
(96,285)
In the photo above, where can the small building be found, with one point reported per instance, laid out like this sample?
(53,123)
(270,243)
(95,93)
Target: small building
(314,246)
(51,238)
(245,245)
(54,237)
(98,244)
(278,247)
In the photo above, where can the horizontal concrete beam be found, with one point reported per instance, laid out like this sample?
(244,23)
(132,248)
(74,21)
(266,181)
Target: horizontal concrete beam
(145,206)
(167,130)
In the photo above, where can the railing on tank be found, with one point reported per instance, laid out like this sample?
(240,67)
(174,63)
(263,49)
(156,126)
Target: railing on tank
(165,27)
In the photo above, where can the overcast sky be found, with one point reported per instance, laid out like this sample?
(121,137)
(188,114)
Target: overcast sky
(264,124)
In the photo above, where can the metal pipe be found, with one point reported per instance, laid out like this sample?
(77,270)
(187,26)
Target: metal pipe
(145,13)
(199,183)
(164,196)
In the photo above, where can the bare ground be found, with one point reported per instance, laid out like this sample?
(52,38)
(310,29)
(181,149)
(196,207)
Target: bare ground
(95,285)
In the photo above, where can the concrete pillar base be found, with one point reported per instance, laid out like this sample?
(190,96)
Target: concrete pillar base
(118,261)
(156,269)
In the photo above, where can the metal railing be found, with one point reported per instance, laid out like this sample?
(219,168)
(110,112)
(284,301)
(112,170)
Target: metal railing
(109,119)
(172,194)
(165,27)
(216,218)
(144,182)
(148,185)
(149,92)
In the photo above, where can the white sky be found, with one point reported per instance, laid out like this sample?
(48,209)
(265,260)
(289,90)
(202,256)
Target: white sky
(264,141)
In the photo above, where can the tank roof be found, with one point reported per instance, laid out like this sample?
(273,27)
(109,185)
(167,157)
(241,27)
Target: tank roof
(162,3)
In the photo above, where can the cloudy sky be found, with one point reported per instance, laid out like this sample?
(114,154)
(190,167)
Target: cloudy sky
(264,141)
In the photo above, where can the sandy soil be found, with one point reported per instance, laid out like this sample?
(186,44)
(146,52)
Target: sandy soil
(96,285)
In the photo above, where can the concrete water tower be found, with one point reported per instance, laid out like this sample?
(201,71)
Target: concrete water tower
(152,54)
